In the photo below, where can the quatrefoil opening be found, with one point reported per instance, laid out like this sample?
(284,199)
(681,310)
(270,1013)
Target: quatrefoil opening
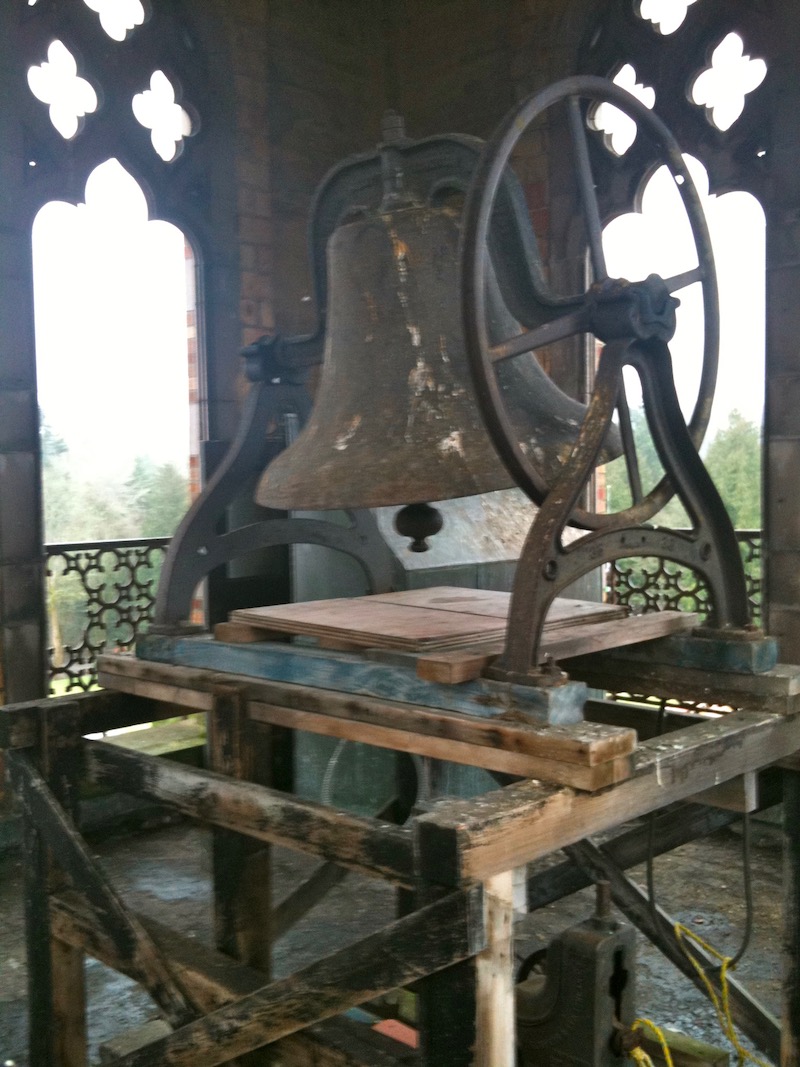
(158,111)
(665,15)
(618,129)
(721,88)
(118,17)
(56,82)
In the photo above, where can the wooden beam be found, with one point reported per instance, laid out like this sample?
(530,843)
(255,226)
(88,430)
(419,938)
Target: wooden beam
(509,728)
(425,941)
(495,1024)
(774,690)
(361,844)
(505,760)
(98,711)
(214,979)
(470,841)
(673,827)
(756,1022)
(71,854)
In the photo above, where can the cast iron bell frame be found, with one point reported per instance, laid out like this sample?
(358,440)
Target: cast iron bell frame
(636,321)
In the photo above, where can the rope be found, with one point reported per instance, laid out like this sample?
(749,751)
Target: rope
(638,1054)
(721,1000)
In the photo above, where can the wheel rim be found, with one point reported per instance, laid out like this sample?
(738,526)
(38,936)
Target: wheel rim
(572,318)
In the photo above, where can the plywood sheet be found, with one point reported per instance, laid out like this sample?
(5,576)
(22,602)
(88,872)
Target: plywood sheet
(441,618)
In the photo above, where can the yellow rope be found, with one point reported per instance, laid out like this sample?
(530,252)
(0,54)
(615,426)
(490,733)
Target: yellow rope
(639,1055)
(721,1000)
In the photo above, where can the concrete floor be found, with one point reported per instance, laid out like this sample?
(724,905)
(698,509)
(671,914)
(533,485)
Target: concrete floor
(165,873)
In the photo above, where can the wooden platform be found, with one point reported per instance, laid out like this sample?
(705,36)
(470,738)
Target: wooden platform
(507,736)
(455,633)
(417,620)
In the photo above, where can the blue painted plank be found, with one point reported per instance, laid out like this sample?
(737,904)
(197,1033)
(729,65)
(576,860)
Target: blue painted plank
(350,673)
(706,652)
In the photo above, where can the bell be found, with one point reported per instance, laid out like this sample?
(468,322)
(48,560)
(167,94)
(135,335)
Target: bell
(396,419)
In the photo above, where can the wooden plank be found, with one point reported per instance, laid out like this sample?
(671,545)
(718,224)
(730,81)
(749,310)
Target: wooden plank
(97,711)
(361,844)
(774,690)
(495,1044)
(511,727)
(363,621)
(450,668)
(215,980)
(241,867)
(193,665)
(472,841)
(578,776)
(74,858)
(581,743)
(425,941)
(564,611)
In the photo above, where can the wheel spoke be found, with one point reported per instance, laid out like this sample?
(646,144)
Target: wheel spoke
(680,281)
(591,211)
(556,330)
(629,446)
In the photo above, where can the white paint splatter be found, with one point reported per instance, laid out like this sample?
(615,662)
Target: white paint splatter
(342,441)
(454,442)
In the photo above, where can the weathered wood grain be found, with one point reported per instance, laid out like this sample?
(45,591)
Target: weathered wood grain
(362,844)
(471,842)
(214,980)
(74,858)
(587,777)
(451,668)
(774,690)
(98,711)
(427,940)
(192,665)
(495,1024)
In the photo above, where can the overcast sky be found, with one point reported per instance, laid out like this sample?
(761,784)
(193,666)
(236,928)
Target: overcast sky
(110,297)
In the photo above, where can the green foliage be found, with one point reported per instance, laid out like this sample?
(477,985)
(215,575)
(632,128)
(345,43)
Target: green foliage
(159,497)
(733,460)
(150,503)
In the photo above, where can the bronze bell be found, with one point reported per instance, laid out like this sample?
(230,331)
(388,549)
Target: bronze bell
(396,419)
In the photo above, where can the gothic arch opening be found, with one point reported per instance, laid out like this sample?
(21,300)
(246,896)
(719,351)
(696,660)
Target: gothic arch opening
(117,392)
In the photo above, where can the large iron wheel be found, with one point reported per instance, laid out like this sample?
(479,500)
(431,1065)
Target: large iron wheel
(591,312)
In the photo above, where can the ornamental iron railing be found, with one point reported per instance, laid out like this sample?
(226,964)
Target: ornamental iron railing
(101,595)
(646,583)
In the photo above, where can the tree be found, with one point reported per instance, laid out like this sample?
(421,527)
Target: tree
(159,497)
(734,462)
(618,493)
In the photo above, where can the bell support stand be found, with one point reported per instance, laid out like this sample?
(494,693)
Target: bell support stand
(198,546)
(635,321)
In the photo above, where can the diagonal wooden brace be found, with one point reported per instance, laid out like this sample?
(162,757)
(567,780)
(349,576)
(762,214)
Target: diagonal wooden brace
(428,940)
(759,1025)
(147,964)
